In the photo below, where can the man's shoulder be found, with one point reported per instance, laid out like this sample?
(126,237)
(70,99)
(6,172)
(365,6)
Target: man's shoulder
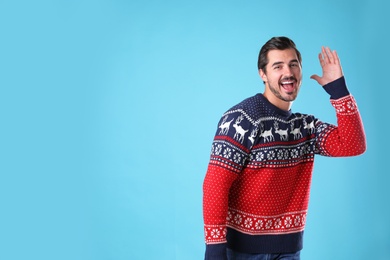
(250,106)
(248,102)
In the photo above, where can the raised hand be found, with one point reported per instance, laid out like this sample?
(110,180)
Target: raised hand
(331,67)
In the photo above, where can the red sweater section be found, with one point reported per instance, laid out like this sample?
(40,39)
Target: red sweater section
(348,139)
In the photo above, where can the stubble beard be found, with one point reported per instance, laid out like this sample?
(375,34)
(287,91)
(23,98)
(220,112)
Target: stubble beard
(291,96)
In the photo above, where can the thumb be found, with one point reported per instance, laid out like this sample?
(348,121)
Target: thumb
(315,77)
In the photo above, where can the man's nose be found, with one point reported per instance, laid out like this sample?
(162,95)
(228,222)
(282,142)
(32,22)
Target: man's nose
(287,71)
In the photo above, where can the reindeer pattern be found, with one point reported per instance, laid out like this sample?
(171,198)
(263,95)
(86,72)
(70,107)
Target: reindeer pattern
(253,133)
(269,129)
(225,126)
(252,140)
(240,132)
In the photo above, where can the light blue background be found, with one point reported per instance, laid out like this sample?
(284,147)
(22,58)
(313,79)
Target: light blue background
(108,110)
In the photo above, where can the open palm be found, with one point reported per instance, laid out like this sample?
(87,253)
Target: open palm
(331,67)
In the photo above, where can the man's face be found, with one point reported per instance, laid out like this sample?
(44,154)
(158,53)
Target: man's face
(283,76)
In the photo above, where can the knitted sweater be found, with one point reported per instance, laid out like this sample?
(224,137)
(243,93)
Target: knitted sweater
(256,189)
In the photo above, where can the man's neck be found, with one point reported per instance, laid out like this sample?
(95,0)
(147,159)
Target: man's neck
(281,104)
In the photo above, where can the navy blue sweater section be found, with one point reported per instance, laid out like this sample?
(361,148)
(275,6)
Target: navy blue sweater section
(337,89)
(264,244)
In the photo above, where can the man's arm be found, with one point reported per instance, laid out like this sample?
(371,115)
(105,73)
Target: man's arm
(230,150)
(347,138)
(216,185)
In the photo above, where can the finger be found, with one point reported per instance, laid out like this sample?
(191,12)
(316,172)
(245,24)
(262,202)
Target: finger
(325,55)
(315,77)
(321,58)
(318,79)
(328,55)
(336,57)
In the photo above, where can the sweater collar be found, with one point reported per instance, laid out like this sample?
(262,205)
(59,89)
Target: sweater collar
(274,108)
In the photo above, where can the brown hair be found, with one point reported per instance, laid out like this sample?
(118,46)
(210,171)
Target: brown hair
(275,43)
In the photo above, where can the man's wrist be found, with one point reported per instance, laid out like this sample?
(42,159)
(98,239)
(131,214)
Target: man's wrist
(337,88)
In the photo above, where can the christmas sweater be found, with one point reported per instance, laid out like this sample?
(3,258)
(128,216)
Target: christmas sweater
(256,189)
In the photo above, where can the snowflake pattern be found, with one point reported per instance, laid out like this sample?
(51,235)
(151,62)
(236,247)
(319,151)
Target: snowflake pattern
(227,152)
(271,155)
(215,233)
(305,149)
(238,219)
(294,153)
(229,216)
(345,105)
(258,224)
(297,220)
(248,222)
(282,156)
(259,156)
(227,155)
(287,222)
(269,224)
(278,223)
(237,158)
(218,149)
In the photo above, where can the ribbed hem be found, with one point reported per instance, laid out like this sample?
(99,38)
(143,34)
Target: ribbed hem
(215,252)
(264,244)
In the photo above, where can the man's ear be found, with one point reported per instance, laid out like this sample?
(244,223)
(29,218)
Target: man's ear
(263,76)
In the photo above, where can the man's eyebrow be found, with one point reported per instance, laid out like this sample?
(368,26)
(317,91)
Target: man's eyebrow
(277,63)
(281,62)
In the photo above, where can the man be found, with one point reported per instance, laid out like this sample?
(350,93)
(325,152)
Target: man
(256,189)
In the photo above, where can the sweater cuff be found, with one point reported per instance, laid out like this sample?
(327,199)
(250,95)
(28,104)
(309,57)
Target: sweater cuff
(216,252)
(337,89)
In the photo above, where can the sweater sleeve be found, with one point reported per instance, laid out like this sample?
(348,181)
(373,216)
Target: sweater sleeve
(230,150)
(348,137)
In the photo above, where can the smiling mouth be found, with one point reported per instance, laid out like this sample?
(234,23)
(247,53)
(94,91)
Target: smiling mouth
(288,86)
